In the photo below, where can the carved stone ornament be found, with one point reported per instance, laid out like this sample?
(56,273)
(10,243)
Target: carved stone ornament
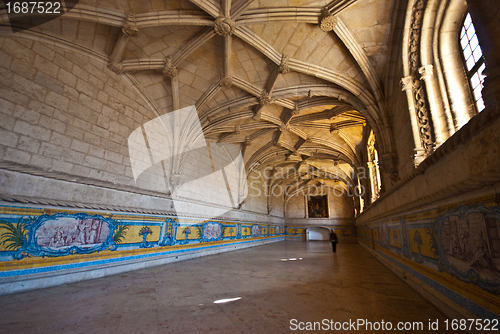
(117,68)
(264,98)
(224,26)
(226,82)
(328,23)
(130,27)
(420,98)
(170,70)
(283,66)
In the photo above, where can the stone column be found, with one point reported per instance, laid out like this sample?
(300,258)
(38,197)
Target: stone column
(427,75)
(485,14)
(408,86)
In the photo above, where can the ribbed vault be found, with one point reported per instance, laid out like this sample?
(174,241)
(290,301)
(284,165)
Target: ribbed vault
(291,83)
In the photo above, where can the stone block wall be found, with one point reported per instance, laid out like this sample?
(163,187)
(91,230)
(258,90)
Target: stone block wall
(65,112)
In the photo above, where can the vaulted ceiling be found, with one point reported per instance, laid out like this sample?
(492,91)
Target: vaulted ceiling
(287,80)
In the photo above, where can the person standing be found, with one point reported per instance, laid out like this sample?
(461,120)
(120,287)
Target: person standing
(334,240)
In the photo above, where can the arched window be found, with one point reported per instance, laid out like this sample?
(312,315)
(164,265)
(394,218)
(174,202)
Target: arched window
(474,60)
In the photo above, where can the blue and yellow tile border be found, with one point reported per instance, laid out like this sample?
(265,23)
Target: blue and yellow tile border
(37,240)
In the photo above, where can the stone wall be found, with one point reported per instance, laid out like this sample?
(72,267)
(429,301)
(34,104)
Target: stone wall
(440,228)
(65,112)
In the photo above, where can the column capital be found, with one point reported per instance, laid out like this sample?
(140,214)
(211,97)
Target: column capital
(408,83)
(426,72)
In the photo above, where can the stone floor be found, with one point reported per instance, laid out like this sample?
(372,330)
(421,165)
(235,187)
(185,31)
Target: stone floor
(179,298)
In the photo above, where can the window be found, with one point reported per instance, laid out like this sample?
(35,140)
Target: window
(474,60)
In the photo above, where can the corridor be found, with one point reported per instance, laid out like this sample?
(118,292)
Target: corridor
(276,282)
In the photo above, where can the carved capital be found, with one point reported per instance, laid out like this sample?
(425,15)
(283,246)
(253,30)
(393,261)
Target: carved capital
(264,98)
(328,23)
(130,27)
(296,110)
(426,72)
(226,82)
(283,66)
(408,84)
(247,142)
(117,68)
(169,70)
(224,26)
(237,129)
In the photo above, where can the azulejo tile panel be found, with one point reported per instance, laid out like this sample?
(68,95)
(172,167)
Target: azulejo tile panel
(35,238)
(463,241)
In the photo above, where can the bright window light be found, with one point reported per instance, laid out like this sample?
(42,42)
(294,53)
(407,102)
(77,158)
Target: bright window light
(474,60)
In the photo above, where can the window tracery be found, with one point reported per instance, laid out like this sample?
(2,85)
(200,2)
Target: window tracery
(474,60)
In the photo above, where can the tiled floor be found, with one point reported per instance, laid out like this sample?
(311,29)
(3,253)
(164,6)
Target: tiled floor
(179,298)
